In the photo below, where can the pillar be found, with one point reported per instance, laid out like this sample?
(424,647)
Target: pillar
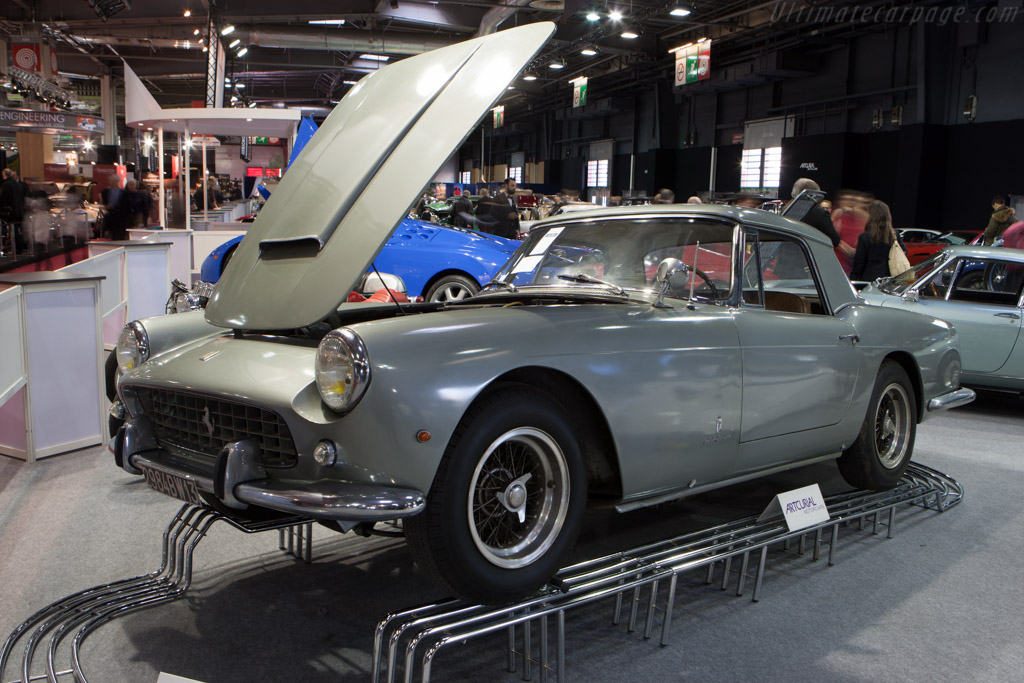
(34,150)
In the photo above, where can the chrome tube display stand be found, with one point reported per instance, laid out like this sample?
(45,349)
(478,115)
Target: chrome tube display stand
(638,575)
(406,643)
(83,612)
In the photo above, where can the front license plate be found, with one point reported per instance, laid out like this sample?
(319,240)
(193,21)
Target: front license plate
(172,485)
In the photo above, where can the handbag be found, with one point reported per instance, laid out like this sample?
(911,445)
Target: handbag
(898,262)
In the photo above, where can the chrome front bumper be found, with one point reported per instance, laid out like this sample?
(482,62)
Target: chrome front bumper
(953,399)
(236,485)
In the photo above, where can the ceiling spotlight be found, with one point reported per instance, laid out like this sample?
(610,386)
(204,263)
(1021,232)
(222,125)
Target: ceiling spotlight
(529,76)
(235,42)
(227,81)
(204,48)
(201,41)
(227,29)
(630,33)
(615,15)
(240,86)
(244,51)
(195,32)
(680,12)
(593,16)
(328,22)
(188,13)
(557,64)
(589,51)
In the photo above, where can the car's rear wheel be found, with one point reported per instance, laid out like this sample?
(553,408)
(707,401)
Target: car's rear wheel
(452,288)
(882,451)
(506,502)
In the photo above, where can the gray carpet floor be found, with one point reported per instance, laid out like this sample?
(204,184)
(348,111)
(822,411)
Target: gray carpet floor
(943,600)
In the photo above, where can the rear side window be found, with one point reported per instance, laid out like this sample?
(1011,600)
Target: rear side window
(778,274)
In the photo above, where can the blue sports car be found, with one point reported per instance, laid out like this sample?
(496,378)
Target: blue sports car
(436,263)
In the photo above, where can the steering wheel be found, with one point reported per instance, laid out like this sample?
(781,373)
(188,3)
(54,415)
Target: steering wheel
(708,281)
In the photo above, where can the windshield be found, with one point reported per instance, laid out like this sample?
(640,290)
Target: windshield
(623,256)
(898,284)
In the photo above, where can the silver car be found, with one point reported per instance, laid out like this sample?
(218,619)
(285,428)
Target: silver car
(980,290)
(631,356)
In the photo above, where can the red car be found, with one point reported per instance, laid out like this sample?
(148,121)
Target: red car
(922,244)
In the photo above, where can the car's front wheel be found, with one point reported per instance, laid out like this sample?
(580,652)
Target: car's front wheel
(507,500)
(882,451)
(452,288)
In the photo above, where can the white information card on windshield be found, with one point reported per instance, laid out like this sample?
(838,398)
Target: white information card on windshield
(801,508)
(544,242)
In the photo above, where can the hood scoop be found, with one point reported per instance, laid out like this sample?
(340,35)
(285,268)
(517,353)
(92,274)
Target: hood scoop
(358,176)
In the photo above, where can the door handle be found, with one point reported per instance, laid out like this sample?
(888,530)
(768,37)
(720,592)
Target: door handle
(854,338)
(1011,316)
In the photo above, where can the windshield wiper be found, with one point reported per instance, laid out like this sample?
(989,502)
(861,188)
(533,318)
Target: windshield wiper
(589,279)
(500,283)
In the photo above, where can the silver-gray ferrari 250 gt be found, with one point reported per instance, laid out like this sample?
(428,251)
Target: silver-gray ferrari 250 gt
(634,356)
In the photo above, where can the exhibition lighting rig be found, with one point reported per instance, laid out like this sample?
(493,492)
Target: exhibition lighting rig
(28,83)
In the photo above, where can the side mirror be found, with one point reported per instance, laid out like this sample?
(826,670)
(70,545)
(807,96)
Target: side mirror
(911,295)
(670,271)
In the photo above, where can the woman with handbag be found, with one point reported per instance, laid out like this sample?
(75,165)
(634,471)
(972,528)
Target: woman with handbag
(880,252)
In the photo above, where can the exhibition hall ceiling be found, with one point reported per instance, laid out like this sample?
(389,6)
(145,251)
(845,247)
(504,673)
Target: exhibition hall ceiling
(308,53)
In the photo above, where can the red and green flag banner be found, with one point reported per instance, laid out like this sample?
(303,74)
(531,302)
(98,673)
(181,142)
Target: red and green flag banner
(693,62)
(499,116)
(579,92)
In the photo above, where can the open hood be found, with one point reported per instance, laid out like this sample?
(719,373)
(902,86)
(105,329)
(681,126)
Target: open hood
(357,177)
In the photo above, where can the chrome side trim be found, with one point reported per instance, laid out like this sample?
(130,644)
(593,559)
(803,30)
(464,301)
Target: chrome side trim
(658,497)
(953,399)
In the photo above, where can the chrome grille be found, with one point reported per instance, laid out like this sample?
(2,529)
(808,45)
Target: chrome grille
(204,425)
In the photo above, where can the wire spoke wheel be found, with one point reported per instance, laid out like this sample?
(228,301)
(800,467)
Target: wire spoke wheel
(518,497)
(892,419)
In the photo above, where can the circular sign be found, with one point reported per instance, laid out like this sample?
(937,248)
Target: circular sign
(25,57)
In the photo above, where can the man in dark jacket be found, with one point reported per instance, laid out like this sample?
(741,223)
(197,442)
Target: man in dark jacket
(818,218)
(1002,217)
(505,211)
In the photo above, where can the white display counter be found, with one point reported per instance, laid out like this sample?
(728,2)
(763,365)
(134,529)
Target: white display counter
(51,383)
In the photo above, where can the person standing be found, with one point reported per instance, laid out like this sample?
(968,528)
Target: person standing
(1002,217)
(850,218)
(118,210)
(818,218)
(871,258)
(12,206)
(506,213)
(1013,236)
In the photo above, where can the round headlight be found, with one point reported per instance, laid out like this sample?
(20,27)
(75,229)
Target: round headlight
(132,347)
(342,369)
